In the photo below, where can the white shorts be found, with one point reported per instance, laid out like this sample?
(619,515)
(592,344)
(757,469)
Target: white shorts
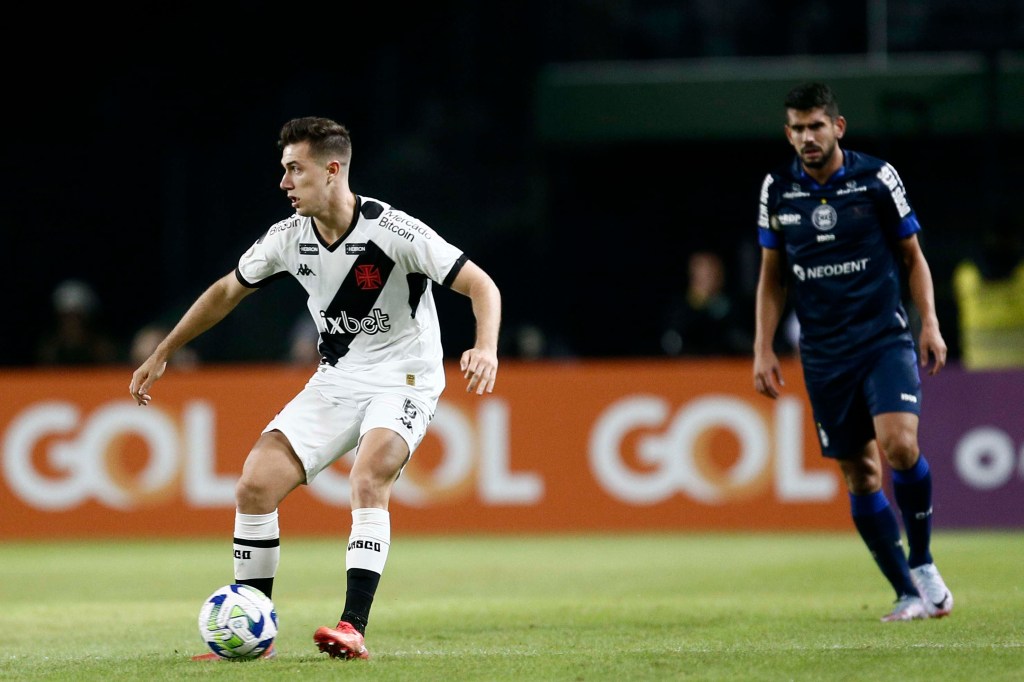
(322,426)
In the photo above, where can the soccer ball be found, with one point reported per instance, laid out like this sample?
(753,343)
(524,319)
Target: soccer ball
(238,622)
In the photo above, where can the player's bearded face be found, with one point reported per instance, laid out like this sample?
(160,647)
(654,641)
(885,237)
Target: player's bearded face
(814,136)
(818,155)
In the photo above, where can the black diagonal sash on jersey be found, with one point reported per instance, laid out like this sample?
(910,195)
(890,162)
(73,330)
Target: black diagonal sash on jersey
(355,298)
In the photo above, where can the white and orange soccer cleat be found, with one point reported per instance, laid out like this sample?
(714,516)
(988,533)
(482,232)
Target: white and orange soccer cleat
(906,608)
(938,600)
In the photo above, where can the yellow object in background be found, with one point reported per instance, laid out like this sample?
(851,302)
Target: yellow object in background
(991,317)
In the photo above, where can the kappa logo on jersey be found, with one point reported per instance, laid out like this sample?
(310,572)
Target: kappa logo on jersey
(824,217)
(354,249)
(309,249)
(409,407)
(305,270)
(367,277)
(374,323)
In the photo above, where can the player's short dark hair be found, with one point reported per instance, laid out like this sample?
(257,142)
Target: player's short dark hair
(812,96)
(323,135)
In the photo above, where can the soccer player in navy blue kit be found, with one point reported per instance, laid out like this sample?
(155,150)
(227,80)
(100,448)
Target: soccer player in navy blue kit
(836,227)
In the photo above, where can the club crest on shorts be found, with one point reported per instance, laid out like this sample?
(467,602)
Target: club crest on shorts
(409,407)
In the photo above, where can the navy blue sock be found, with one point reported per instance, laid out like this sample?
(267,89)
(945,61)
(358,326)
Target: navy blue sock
(877,525)
(913,490)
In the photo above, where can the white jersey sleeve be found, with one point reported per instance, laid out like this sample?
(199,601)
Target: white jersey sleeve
(268,256)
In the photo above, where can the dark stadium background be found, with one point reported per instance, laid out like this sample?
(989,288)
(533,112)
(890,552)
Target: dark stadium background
(140,153)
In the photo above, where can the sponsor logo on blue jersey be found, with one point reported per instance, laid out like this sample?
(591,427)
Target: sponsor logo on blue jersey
(830,270)
(851,187)
(762,213)
(891,179)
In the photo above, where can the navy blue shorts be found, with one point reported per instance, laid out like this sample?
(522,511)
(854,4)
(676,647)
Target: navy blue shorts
(845,397)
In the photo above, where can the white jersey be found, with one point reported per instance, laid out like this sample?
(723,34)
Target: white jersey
(369,292)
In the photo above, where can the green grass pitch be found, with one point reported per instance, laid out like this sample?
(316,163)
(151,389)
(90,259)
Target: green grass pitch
(727,606)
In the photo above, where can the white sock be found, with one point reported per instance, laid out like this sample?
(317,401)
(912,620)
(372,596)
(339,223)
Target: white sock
(370,540)
(257,545)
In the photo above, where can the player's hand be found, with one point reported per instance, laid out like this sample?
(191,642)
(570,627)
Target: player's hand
(144,378)
(932,346)
(768,379)
(480,367)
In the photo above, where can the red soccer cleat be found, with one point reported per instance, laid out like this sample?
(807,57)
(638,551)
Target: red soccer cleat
(343,641)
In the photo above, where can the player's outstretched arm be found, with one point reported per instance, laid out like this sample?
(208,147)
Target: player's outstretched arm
(211,307)
(919,277)
(480,363)
(770,303)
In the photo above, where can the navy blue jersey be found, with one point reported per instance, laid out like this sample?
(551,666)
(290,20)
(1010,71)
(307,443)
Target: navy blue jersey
(840,242)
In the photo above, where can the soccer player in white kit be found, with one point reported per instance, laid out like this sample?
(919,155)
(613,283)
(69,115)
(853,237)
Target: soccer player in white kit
(369,270)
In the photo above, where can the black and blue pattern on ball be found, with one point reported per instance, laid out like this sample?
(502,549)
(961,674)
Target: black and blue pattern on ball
(238,622)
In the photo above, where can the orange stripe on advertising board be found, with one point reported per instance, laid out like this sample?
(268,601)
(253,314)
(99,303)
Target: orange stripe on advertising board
(582,446)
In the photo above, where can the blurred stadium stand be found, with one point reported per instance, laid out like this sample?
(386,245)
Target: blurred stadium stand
(578,150)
